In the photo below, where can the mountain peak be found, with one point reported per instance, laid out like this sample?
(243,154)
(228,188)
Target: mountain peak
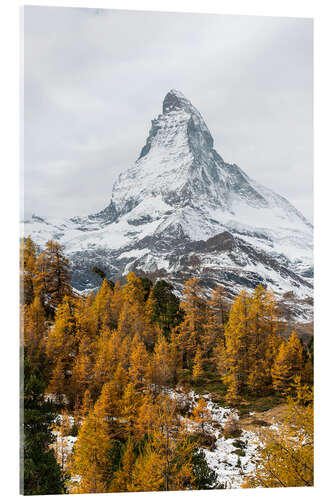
(175,100)
(178,167)
(182,211)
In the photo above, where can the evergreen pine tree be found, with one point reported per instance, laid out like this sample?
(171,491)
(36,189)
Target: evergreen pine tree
(42,474)
(165,307)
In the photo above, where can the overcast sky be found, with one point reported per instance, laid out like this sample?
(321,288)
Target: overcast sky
(93,81)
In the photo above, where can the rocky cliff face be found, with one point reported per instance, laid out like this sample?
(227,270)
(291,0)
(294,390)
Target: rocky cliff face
(182,211)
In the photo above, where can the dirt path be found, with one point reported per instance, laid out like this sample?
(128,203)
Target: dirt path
(256,420)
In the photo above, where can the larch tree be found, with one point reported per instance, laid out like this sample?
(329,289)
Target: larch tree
(258,334)
(148,471)
(162,440)
(286,455)
(62,336)
(190,333)
(109,406)
(58,382)
(116,302)
(102,308)
(82,371)
(219,306)
(28,269)
(86,406)
(194,304)
(169,460)
(120,379)
(122,480)
(273,343)
(62,345)
(86,324)
(139,362)
(131,319)
(245,355)
(233,358)
(146,418)
(183,466)
(133,290)
(129,404)
(198,364)
(288,363)
(90,459)
(217,314)
(163,363)
(35,332)
(201,415)
(106,355)
(52,281)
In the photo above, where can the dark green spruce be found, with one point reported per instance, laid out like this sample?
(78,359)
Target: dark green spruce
(42,473)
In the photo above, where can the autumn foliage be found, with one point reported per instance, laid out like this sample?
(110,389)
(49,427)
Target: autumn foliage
(109,358)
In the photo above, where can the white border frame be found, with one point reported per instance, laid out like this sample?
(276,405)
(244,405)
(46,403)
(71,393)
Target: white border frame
(322,12)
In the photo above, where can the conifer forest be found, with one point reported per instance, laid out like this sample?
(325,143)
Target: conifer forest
(133,387)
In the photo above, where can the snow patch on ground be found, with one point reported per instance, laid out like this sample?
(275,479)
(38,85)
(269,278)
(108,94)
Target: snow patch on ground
(228,465)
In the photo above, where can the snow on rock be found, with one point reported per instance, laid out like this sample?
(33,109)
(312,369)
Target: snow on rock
(228,465)
(169,211)
(63,445)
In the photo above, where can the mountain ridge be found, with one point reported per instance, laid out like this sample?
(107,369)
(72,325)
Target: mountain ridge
(180,192)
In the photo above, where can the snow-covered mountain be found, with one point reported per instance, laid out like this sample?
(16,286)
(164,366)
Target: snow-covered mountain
(182,211)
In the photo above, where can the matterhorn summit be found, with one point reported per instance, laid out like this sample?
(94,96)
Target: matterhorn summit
(181,211)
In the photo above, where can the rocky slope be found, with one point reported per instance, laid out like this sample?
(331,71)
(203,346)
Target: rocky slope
(182,211)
